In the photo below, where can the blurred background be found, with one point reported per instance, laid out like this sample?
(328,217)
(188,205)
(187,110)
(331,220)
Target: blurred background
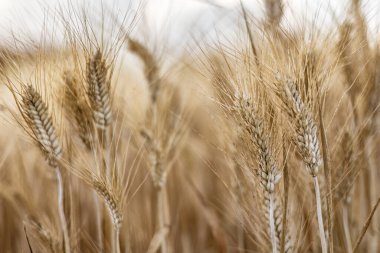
(205,197)
(176,21)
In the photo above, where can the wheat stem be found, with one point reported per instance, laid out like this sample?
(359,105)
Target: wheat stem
(35,113)
(365,227)
(271,224)
(240,233)
(240,229)
(319,215)
(285,209)
(106,170)
(161,216)
(327,171)
(61,210)
(268,174)
(98,213)
(114,210)
(116,239)
(346,229)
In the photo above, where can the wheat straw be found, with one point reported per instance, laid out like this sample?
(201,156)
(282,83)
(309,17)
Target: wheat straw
(35,113)
(267,172)
(112,204)
(307,143)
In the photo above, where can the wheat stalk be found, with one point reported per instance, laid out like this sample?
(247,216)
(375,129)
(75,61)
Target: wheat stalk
(284,235)
(78,108)
(307,143)
(35,113)
(267,172)
(98,92)
(345,180)
(154,144)
(366,226)
(348,170)
(114,209)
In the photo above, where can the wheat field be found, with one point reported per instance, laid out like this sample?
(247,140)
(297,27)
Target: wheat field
(265,141)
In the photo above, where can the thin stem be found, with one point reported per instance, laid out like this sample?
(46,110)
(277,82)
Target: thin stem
(61,211)
(99,212)
(116,239)
(327,171)
(250,36)
(239,215)
(365,227)
(319,215)
(106,172)
(346,229)
(240,232)
(161,217)
(271,224)
(285,210)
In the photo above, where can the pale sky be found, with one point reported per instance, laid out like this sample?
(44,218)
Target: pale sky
(176,19)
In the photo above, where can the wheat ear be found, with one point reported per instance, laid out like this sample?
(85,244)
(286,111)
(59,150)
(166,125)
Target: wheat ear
(37,118)
(151,69)
(98,77)
(274,10)
(98,81)
(281,230)
(114,210)
(153,144)
(44,235)
(158,174)
(268,173)
(78,108)
(98,91)
(307,143)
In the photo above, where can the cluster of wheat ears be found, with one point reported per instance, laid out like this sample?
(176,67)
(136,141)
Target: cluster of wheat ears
(265,143)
